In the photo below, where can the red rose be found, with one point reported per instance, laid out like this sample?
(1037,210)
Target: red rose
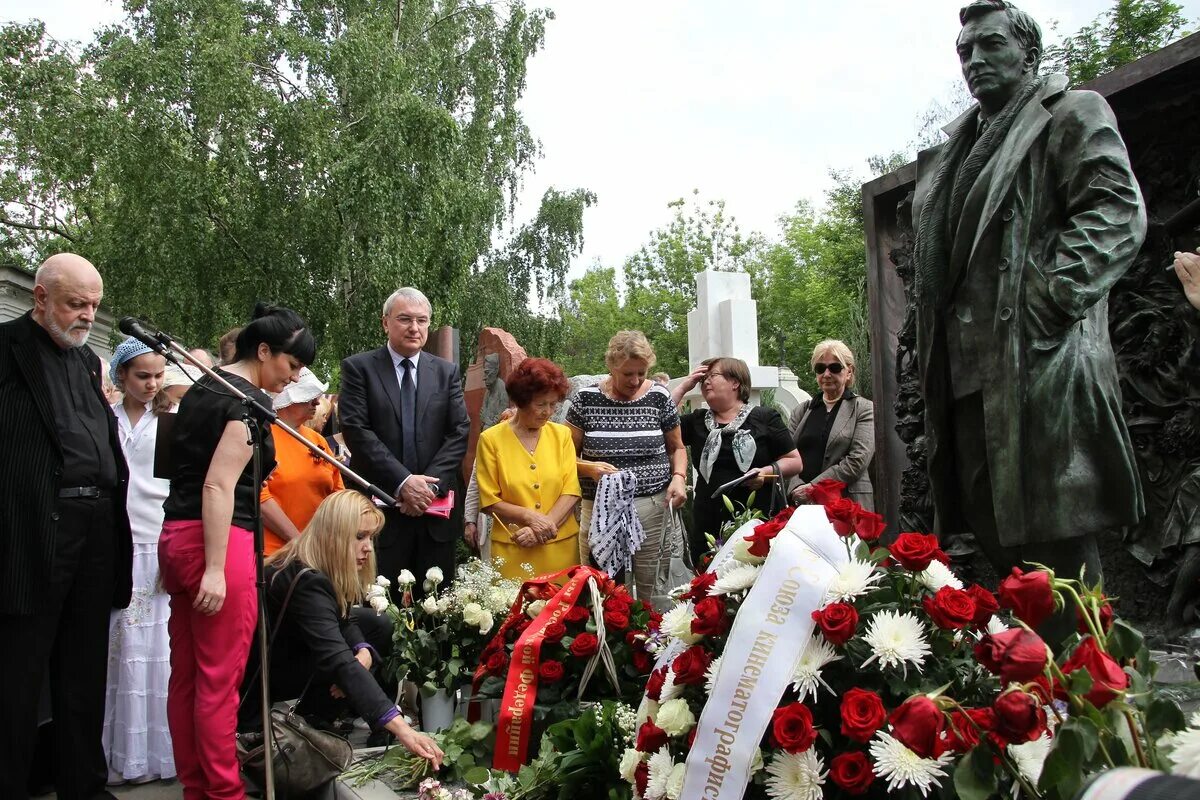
(578,614)
(616,620)
(584,645)
(1019,717)
(619,601)
(1106,619)
(1029,595)
(497,663)
(842,512)
(914,551)
(641,778)
(862,714)
(950,609)
(1016,655)
(837,621)
(1108,679)
(650,738)
(655,683)
(551,671)
(642,661)
(869,526)
(519,627)
(711,619)
(792,728)
(824,492)
(691,740)
(962,730)
(760,539)
(635,638)
(985,604)
(655,621)
(555,631)
(918,725)
(699,586)
(852,772)
(690,665)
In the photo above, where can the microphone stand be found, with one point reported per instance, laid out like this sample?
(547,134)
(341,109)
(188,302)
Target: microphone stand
(252,413)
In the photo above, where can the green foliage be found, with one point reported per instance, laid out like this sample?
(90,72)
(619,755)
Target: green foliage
(1126,32)
(975,776)
(319,154)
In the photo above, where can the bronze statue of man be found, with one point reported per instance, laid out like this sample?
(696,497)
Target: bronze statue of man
(1025,218)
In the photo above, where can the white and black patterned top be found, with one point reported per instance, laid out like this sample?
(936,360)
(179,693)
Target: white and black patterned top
(627,434)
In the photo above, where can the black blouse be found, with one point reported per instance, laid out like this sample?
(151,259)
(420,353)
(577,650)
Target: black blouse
(812,438)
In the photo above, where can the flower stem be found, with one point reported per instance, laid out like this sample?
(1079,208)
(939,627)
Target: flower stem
(1137,739)
(1085,612)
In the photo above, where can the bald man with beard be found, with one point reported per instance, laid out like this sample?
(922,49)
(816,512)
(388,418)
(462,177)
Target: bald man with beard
(65,546)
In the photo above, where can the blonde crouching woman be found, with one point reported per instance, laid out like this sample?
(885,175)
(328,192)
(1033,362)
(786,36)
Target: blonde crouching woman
(325,636)
(627,423)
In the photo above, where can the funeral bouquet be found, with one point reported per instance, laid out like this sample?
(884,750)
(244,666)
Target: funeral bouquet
(568,639)
(809,661)
(438,641)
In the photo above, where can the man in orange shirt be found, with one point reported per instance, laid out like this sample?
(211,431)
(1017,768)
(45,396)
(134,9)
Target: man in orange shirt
(300,480)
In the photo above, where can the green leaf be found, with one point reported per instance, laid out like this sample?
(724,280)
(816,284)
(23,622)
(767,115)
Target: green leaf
(477,776)
(975,777)
(1124,641)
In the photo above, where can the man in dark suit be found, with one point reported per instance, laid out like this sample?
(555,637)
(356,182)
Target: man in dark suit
(405,422)
(66,556)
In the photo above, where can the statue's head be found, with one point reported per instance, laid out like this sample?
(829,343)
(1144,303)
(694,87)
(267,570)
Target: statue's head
(999,47)
(491,369)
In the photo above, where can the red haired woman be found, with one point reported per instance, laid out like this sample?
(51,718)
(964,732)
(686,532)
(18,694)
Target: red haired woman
(527,479)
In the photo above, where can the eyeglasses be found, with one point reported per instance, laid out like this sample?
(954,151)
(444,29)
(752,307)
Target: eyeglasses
(405,321)
(834,369)
(709,375)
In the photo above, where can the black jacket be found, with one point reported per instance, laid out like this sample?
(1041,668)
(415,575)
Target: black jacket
(314,642)
(31,464)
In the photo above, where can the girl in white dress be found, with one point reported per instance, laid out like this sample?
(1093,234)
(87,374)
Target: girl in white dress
(137,742)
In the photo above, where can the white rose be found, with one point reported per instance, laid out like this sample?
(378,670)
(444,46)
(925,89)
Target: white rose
(430,605)
(757,764)
(535,608)
(374,591)
(629,764)
(472,613)
(675,782)
(678,623)
(435,576)
(379,603)
(741,552)
(443,604)
(675,717)
(486,622)
(382,581)
(406,578)
(648,710)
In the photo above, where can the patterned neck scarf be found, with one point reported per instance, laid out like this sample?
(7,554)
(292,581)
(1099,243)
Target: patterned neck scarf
(616,532)
(744,446)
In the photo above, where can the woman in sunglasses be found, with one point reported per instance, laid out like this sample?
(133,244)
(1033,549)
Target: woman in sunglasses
(835,432)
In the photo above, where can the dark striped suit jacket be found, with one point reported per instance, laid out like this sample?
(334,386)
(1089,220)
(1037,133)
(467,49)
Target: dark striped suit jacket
(30,467)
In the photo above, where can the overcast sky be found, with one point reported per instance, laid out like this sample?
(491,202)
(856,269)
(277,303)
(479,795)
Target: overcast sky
(752,102)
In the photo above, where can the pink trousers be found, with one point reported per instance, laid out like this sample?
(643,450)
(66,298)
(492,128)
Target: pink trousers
(208,659)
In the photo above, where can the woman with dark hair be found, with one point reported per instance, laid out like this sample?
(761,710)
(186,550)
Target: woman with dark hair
(525,468)
(206,552)
(729,439)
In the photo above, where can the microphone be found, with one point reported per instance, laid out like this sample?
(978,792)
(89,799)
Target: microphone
(132,326)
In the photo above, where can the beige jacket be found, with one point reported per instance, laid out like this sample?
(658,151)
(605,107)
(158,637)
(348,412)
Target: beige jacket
(850,448)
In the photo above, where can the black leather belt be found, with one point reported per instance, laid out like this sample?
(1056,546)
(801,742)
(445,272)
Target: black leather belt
(83,491)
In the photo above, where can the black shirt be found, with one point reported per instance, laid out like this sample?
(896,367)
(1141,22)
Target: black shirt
(80,414)
(772,439)
(206,409)
(813,437)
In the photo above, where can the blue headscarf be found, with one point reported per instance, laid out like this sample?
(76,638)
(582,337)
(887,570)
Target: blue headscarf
(128,350)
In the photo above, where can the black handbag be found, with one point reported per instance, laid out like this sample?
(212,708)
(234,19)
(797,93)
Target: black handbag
(305,758)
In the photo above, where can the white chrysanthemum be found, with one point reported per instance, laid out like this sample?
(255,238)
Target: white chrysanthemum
(742,554)
(995,625)
(678,623)
(675,782)
(796,776)
(675,718)
(1185,753)
(670,689)
(629,764)
(434,575)
(382,581)
(937,575)
(710,675)
(379,604)
(1194,720)
(406,578)
(661,766)
(901,767)
(854,580)
(734,577)
(896,640)
(535,608)
(806,677)
(1030,757)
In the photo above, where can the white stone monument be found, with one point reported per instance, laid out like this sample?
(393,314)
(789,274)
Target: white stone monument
(725,323)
